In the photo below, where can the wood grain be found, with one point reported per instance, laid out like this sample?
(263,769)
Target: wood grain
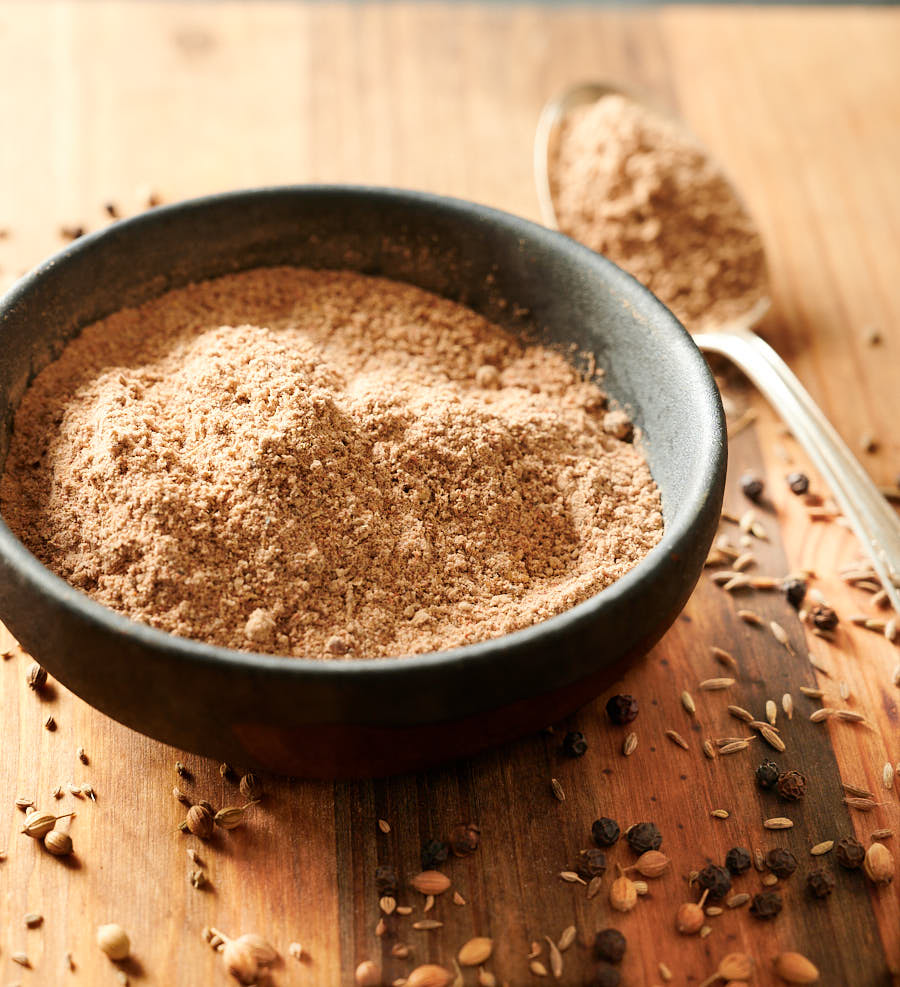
(802,107)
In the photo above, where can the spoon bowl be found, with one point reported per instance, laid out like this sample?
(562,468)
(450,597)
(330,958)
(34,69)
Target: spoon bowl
(872,519)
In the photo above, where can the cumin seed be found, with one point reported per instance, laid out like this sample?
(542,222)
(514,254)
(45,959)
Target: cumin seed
(630,745)
(736,900)
(677,739)
(558,792)
(824,847)
(724,657)
(812,693)
(750,617)
(739,713)
(716,685)
(860,793)
(861,805)
(687,700)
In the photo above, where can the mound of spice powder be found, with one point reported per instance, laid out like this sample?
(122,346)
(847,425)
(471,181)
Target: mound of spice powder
(324,464)
(635,187)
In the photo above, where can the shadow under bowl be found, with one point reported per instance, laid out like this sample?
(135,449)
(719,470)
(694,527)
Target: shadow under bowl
(357,718)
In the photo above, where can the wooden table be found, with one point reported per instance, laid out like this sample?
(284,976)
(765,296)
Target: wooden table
(803,108)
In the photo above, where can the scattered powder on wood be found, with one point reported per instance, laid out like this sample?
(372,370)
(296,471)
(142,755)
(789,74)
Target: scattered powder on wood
(324,464)
(638,189)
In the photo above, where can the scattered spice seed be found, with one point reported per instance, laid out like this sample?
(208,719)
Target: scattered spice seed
(630,745)
(736,900)
(296,951)
(787,704)
(737,860)
(71,232)
(821,715)
(367,974)
(794,591)
(36,677)
(739,713)
(689,917)
(623,894)
(571,877)
(752,486)
(574,744)
(594,887)
(771,737)
(812,693)
(734,747)
(404,910)
(80,754)
(198,879)
(887,775)
(429,904)
(687,700)
(113,940)
(181,797)
(862,793)
(849,716)
(465,839)
(795,968)
(384,826)
(250,787)
(50,724)
(622,709)
(881,834)
(182,771)
(20,958)
(879,864)
(724,657)
(823,617)
(677,739)
(567,938)
(720,813)
(478,950)
(199,821)
(819,883)
(798,483)
(87,789)
(641,887)
(820,848)
(861,805)
(609,945)
(781,862)
(458,899)
(850,853)
(715,685)
(716,880)
(766,905)
(742,561)
(778,822)
(590,863)
(430,882)
(769,879)
(643,836)
(558,792)
(750,617)
(556,960)
(38,824)
(708,749)
(33,920)
(665,972)
(771,711)
(427,925)
(537,968)
(705,930)
(714,910)
(387,904)
(791,785)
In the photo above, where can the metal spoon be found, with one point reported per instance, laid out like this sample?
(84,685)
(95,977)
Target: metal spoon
(872,519)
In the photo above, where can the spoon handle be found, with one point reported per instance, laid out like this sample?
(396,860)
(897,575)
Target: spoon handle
(873,520)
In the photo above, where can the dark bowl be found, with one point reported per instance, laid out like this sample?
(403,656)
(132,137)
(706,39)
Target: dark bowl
(367,717)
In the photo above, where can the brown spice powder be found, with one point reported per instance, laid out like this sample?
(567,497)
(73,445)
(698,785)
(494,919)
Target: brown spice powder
(324,464)
(635,187)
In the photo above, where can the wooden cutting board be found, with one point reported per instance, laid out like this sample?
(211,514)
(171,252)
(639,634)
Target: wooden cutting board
(803,108)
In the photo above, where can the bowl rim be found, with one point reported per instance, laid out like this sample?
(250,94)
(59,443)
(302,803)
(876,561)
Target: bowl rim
(711,440)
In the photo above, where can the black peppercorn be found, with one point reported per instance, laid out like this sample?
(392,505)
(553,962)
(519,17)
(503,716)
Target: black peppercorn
(386,882)
(603,975)
(622,709)
(574,744)
(644,836)
(714,879)
(766,904)
(605,831)
(781,862)
(798,482)
(737,860)
(464,839)
(795,591)
(820,883)
(823,617)
(590,863)
(751,486)
(850,853)
(609,945)
(791,785)
(434,853)
(767,774)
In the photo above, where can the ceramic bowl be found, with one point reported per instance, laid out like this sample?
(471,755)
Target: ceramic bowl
(367,717)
